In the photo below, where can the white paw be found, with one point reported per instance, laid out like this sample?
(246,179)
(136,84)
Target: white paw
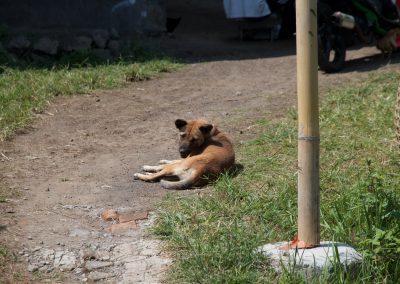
(136,176)
(164,162)
(146,168)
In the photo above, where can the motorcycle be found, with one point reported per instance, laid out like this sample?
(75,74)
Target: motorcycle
(340,22)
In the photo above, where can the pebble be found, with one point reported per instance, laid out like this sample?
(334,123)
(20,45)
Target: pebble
(88,254)
(32,268)
(95,275)
(36,249)
(93,264)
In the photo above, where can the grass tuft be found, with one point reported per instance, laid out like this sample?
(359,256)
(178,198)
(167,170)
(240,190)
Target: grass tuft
(214,235)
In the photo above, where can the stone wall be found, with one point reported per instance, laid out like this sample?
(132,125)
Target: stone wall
(71,16)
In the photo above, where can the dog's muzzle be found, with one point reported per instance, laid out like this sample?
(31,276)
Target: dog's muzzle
(184,152)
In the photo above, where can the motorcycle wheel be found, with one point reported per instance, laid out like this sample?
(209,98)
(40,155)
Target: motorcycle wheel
(331,51)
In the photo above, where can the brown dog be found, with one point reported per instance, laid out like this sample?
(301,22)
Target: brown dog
(206,153)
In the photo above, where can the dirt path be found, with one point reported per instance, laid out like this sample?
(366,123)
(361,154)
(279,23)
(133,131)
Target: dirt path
(79,156)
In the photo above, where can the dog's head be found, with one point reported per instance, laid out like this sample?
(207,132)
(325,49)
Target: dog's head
(192,135)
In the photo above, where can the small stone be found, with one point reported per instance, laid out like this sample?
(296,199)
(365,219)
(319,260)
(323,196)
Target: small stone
(95,275)
(43,269)
(19,45)
(68,261)
(26,188)
(100,38)
(81,43)
(46,46)
(110,248)
(93,264)
(110,215)
(88,254)
(36,249)
(68,206)
(114,46)
(32,267)
(114,34)
(78,232)
(29,238)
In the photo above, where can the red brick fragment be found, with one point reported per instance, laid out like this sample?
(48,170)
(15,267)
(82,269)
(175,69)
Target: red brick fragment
(109,215)
(122,227)
(133,216)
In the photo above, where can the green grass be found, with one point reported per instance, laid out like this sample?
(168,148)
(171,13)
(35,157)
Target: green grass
(213,235)
(25,90)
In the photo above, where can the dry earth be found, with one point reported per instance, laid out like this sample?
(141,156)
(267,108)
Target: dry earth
(79,156)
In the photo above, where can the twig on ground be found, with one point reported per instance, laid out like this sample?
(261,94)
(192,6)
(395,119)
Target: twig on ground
(4,156)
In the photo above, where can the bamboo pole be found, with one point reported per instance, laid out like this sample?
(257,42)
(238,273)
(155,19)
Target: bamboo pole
(308,124)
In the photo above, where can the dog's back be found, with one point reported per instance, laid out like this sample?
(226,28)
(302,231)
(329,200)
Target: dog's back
(216,156)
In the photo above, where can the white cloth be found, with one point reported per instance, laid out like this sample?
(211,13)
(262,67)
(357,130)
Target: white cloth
(235,9)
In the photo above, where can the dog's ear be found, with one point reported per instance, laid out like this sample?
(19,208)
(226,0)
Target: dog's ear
(206,129)
(180,123)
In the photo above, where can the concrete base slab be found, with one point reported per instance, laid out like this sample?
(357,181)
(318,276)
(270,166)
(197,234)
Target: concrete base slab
(313,260)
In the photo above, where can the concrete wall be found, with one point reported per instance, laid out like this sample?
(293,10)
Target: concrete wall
(75,15)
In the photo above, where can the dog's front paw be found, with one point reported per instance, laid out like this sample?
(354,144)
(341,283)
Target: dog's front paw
(148,168)
(136,176)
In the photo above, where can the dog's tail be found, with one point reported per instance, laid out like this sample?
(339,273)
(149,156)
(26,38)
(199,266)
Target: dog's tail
(185,183)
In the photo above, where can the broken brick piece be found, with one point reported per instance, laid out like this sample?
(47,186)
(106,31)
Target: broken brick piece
(122,227)
(109,215)
(133,216)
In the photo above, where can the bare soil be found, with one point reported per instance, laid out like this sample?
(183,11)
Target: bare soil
(79,156)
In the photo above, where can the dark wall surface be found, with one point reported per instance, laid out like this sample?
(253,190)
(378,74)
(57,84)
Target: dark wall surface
(71,15)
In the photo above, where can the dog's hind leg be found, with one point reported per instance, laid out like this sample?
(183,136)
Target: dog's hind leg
(167,170)
(153,169)
(186,180)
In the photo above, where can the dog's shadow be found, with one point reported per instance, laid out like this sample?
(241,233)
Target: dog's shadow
(235,170)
